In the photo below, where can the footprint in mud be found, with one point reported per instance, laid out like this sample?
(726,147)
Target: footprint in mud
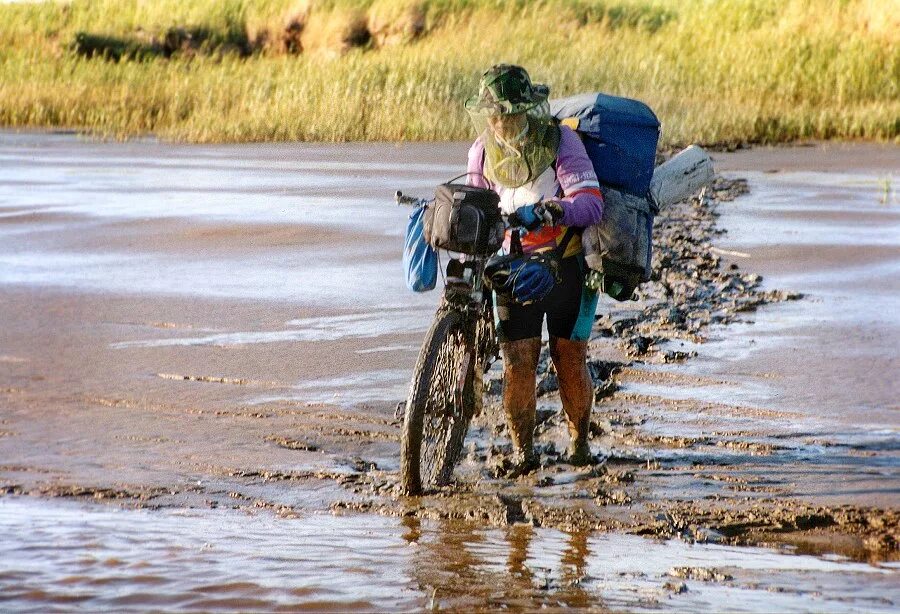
(292,444)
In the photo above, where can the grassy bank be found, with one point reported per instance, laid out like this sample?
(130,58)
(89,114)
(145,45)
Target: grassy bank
(726,71)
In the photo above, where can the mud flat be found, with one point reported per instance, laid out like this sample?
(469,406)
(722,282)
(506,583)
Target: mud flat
(221,334)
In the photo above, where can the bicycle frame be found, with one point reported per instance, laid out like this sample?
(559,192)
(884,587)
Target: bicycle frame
(467,309)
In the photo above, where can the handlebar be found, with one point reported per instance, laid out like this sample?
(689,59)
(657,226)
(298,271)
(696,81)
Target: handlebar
(402,199)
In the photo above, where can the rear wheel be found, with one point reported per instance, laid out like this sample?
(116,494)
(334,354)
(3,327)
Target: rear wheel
(443,396)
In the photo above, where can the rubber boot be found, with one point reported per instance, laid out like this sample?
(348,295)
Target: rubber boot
(519,365)
(579,453)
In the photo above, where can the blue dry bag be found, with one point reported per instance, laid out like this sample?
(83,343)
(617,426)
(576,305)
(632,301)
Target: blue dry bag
(419,258)
(619,135)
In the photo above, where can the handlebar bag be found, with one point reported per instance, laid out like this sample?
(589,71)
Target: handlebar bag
(419,259)
(464,219)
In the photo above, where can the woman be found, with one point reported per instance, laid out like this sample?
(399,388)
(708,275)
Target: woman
(546,180)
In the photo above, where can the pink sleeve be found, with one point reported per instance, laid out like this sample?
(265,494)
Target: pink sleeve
(475,167)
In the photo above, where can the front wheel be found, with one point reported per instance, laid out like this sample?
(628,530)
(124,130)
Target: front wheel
(443,397)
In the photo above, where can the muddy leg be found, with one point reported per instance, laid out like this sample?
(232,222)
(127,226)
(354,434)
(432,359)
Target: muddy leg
(576,393)
(520,359)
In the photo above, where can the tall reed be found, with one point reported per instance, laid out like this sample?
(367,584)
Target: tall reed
(724,71)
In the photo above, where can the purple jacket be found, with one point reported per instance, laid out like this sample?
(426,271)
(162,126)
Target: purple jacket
(581,199)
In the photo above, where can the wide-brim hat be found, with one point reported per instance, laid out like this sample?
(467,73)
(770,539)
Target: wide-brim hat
(505,89)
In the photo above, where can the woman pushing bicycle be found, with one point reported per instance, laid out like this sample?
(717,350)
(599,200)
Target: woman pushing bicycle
(547,185)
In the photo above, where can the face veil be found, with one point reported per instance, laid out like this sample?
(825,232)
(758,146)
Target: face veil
(512,118)
(518,147)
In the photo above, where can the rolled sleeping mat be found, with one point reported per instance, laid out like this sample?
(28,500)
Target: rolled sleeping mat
(682,176)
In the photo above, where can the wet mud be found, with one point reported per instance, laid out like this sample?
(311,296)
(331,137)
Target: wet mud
(700,488)
(235,397)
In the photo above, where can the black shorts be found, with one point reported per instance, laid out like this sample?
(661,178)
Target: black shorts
(570,308)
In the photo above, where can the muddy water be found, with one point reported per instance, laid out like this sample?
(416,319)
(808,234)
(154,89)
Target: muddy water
(848,227)
(74,557)
(179,334)
(54,187)
(814,378)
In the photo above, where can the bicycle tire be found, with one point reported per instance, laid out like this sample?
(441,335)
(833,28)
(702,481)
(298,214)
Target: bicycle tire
(441,402)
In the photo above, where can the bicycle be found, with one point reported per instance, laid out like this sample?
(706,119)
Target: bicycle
(446,389)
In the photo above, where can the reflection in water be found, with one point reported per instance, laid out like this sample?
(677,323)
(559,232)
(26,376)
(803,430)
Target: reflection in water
(574,570)
(54,554)
(519,537)
(461,565)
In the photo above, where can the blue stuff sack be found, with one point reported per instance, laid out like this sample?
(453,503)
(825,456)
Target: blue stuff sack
(419,259)
(619,134)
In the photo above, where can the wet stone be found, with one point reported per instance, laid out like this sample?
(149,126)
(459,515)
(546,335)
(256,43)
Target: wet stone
(675,587)
(703,574)
(677,356)
(548,384)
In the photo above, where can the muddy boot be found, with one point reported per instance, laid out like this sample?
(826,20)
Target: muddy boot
(579,454)
(521,464)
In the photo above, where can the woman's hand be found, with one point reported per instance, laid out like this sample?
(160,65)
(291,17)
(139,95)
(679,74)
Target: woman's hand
(529,217)
(553,212)
(532,217)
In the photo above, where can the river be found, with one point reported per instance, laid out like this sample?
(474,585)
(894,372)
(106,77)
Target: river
(173,312)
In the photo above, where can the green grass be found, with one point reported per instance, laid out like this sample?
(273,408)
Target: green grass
(716,72)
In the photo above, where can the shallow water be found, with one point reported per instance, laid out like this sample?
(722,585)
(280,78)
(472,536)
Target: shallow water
(54,188)
(815,378)
(70,556)
(828,236)
(299,225)
(357,325)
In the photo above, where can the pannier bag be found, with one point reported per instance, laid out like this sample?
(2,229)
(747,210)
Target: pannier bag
(620,246)
(419,259)
(464,219)
(619,134)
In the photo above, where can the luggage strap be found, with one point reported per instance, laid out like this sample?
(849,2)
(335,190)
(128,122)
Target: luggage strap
(560,250)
